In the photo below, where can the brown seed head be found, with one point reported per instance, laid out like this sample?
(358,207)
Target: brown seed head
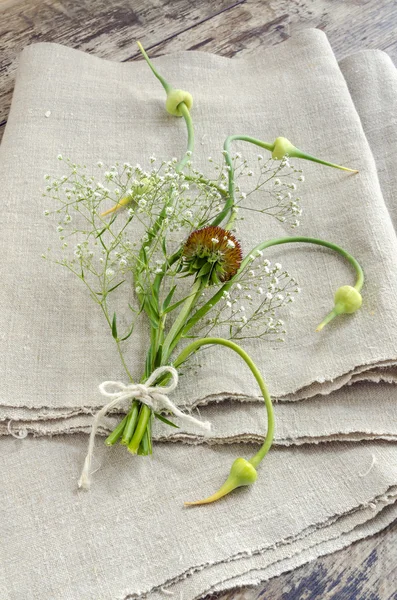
(213,254)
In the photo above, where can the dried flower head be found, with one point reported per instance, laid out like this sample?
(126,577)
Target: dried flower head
(213,254)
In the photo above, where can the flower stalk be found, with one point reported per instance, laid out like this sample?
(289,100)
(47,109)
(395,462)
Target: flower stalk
(209,254)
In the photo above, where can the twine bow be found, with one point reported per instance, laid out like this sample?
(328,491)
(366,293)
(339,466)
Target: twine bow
(155,397)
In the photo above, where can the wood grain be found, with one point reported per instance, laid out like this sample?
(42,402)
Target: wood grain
(109,29)
(366,570)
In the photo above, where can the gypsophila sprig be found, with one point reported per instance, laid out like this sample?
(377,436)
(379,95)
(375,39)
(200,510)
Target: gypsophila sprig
(251,309)
(160,242)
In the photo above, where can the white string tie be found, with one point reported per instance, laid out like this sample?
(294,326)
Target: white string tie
(155,397)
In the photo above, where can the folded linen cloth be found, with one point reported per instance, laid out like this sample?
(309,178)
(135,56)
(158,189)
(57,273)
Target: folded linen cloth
(312,500)
(112,542)
(360,412)
(114,111)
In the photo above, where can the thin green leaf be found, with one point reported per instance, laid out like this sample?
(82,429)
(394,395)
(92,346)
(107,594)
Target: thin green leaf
(115,286)
(114,327)
(174,306)
(98,235)
(168,298)
(161,418)
(129,333)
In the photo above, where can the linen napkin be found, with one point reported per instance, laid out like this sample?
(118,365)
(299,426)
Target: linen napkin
(130,535)
(112,111)
(372,80)
(309,500)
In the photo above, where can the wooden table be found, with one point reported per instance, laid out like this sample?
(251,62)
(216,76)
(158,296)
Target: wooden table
(109,29)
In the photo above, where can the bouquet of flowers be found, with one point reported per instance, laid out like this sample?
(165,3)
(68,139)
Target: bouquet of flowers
(183,269)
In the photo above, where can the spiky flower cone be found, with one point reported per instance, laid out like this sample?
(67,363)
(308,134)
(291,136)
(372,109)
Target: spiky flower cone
(212,254)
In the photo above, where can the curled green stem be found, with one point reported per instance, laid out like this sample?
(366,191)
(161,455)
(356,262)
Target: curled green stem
(262,246)
(280,148)
(243,472)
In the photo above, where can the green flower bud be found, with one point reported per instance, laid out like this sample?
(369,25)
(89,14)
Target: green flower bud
(283,147)
(242,473)
(347,300)
(175,98)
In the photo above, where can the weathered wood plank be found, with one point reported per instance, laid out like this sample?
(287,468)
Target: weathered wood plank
(106,29)
(350,26)
(110,30)
(366,570)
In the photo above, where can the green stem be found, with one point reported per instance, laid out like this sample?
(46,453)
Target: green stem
(161,79)
(130,424)
(190,136)
(140,429)
(293,153)
(230,201)
(116,433)
(180,321)
(194,346)
(262,246)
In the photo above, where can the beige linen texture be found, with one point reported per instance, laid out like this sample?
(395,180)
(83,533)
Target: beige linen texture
(349,413)
(59,351)
(307,502)
(130,535)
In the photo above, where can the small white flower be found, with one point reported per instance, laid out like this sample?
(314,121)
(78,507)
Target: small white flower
(60,157)
(159,270)
(260,290)
(169,210)
(230,244)
(244,319)
(242,309)
(100,164)
(269,296)
(109,273)
(215,240)
(278,266)
(229,304)
(252,273)
(238,286)
(301,178)
(142,202)
(277,182)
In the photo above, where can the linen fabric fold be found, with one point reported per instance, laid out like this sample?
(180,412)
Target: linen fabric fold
(308,500)
(130,536)
(59,351)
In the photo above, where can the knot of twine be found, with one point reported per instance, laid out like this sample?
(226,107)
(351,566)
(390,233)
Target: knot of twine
(155,397)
